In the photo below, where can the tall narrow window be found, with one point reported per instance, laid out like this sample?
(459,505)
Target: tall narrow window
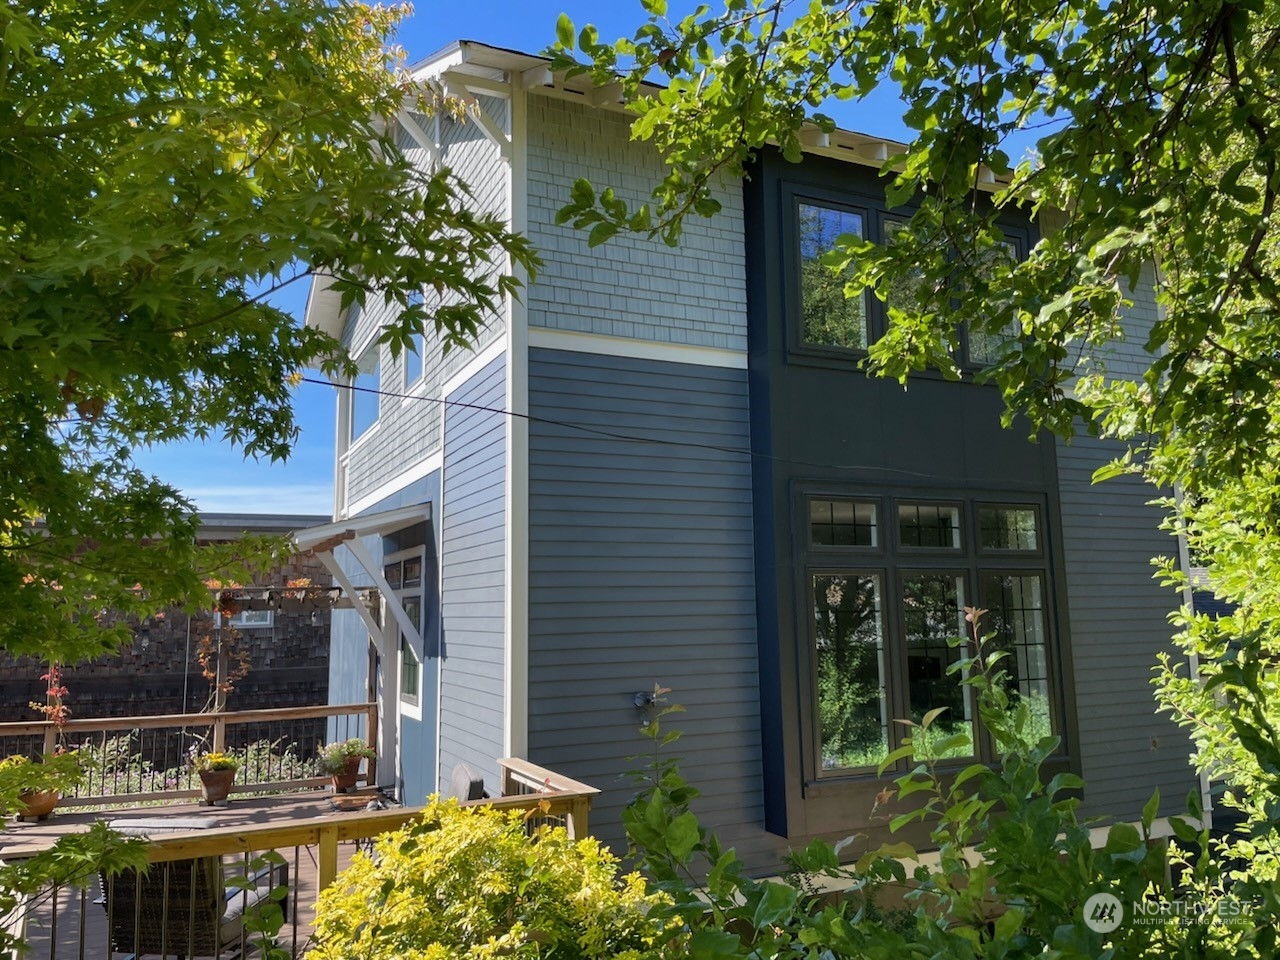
(364,398)
(1016,618)
(849,636)
(828,317)
(906,293)
(986,348)
(415,357)
(932,619)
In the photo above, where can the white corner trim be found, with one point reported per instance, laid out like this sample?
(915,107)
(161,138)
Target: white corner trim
(515,607)
(552,339)
(477,363)
(424,467)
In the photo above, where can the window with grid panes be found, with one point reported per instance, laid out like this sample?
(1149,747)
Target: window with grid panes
(889,580)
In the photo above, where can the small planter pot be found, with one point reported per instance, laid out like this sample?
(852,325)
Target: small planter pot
(346,781)
(215,786)
(37,804)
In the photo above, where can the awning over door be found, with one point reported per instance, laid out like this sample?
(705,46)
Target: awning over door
(324,539)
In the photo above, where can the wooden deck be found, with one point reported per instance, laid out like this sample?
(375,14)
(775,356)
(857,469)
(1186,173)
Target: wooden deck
(75,928)
(19,839)
(316,833)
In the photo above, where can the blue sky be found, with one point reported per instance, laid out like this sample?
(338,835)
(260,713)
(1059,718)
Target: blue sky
(217,477)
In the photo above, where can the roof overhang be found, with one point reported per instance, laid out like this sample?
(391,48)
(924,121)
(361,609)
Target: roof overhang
(324,306)
(324,537)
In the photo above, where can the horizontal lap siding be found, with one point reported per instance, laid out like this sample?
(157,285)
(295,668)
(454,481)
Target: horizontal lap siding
(641,571)
(1118,615)
(474,579)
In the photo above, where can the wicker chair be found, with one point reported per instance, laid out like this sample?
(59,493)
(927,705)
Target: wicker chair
(183,908)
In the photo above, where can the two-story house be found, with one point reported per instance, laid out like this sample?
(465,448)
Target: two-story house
(664,465)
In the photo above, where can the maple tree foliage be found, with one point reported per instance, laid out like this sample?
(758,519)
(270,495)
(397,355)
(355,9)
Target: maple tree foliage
(164,167)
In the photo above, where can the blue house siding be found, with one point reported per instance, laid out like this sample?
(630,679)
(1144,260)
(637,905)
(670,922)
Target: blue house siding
(349,643)
(473,548)
(641,572)
(1118,614)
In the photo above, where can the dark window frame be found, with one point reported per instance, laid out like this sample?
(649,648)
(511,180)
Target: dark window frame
(875,218)
(892,562)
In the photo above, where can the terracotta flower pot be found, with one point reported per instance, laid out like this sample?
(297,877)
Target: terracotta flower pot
(215,786)
(342,782)
(37,804)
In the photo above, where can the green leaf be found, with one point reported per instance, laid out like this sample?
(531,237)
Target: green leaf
(776,903)
(707,944)
(682,835)
(932,715)
(564,32)
(1150,810)
(583,193)
(601,232)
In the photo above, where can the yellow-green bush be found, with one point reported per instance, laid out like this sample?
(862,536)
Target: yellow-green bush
(471,882)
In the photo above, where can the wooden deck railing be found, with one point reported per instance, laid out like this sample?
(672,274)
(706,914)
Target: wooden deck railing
(526,786)
(75,922)
(144,759)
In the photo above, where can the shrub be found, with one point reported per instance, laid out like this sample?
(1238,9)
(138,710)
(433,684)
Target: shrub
(474,882)
(54,771)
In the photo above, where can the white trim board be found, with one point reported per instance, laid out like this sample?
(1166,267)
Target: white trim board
(515,605)
(578,342)
(477,363)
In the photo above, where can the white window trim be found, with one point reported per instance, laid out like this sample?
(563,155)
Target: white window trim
(408,708)
(238,620)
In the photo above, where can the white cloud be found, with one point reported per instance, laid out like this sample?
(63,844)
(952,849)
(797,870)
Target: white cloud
(263,498)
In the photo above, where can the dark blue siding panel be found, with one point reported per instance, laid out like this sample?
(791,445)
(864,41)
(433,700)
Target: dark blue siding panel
(474,576)
(1118,627)
(642,572)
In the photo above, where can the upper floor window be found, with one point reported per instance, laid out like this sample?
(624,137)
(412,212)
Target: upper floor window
(415,358)
(829,318)
(364,399)
(831,324)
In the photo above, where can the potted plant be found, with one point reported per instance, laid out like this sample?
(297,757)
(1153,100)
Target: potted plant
(341,761)
(217,771)
(33,787)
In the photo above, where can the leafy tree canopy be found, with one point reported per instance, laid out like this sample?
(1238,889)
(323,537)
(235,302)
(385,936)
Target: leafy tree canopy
(1158,147)
(1157,140)
(164,166)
